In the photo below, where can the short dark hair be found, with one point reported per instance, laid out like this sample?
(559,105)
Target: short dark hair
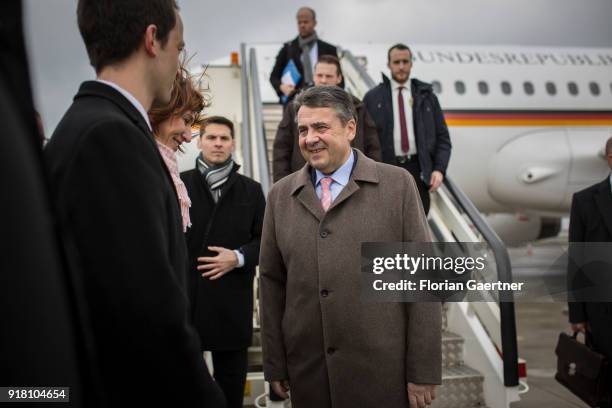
(113,29)
(398,46)
(331,60)
(217,120)
(327,97)
(314,15)
(609,146)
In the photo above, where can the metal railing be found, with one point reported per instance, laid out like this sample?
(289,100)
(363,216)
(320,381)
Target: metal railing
(260,137)
(509,346)
(247,166)
(504,271)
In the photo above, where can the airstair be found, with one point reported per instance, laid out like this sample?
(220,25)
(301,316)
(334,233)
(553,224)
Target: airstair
(480,360)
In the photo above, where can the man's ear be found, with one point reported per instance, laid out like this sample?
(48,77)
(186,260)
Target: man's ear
(352,129)
(150,40)
(339,79)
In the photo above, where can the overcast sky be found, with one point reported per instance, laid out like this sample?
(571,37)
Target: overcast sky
(215,28)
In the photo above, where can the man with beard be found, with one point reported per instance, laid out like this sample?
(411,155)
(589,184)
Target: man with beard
(410,123)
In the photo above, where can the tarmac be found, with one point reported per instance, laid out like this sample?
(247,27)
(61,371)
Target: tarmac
(538,328)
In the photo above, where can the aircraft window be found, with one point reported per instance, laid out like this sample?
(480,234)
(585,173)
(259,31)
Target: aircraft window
(437,87)
(506,88)
(460,87)
(483,87)
(551,88)
(594,87)
(528,88)
(572,88)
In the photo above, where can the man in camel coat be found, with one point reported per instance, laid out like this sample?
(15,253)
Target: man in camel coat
(320,341)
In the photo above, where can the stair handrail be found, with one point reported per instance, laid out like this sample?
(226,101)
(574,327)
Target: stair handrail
(247,166)
(260,138)
(502,260)
(504,273)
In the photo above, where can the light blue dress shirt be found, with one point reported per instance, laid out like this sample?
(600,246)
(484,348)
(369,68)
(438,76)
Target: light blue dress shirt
(340,178)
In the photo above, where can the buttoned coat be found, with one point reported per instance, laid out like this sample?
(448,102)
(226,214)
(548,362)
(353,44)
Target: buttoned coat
(336,350)
(223,308)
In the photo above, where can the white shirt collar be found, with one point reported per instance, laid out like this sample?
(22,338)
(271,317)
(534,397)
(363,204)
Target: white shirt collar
(395,85)
(342,173)
(130,98)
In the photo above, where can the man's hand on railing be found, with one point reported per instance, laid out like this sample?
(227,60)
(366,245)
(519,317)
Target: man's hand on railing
(436,179)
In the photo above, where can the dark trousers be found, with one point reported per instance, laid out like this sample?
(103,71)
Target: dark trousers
(230,370)
(415,169)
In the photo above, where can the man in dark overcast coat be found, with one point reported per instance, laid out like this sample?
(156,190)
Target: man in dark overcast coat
(118,211)
(411,126)
(591,221)
(226,213)
(304,51)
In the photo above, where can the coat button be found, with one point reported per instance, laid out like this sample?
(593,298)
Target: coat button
(331,350)
(324,293)
(324,234)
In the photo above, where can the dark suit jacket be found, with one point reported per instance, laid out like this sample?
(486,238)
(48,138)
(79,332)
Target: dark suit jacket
(286,154)
(292,50)
(431,134)
(119,216)
(223,308)
(591,221)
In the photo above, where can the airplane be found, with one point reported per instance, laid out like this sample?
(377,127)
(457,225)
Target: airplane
(528,124)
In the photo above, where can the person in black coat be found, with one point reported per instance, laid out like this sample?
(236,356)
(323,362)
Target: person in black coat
(118,212)
(591,221)
(44,339)
(304,50)
(226,213)
(423,145)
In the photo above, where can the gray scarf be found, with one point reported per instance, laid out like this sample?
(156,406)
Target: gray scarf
(215,174)
(306,45)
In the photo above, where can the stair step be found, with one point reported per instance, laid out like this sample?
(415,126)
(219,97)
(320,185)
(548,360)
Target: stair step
(462,386)
(452,349)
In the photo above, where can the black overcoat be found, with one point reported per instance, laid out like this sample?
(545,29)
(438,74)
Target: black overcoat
(120,220)
(223,308)
(591,221)
(430,130)
(292,50)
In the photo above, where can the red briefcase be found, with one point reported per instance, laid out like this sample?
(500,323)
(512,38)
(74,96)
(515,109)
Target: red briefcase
(582,370)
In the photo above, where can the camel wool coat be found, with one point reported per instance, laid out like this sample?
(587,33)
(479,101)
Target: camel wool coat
(336,350)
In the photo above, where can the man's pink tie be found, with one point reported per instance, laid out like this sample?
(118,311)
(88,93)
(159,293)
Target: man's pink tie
(326,197)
